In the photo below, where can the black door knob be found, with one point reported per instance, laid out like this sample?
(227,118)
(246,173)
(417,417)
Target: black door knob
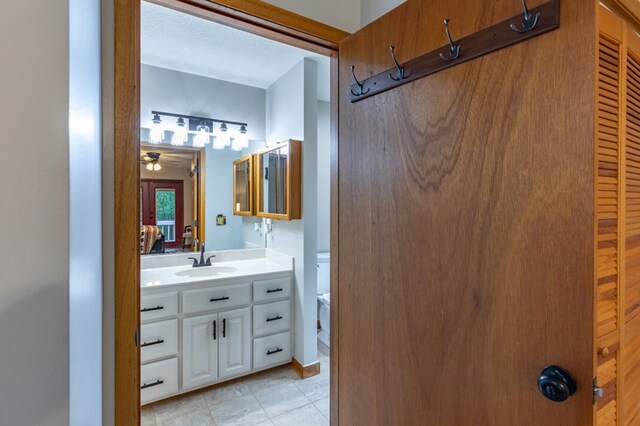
(556,384)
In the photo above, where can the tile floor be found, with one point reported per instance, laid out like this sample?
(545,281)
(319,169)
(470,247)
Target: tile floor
(276,397)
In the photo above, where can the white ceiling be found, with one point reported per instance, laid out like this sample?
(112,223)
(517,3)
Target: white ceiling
(181,42)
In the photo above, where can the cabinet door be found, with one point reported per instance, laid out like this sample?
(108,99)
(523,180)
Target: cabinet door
(200,350)
(235,342)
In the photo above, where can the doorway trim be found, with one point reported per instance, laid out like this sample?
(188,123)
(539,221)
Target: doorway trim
(255,17)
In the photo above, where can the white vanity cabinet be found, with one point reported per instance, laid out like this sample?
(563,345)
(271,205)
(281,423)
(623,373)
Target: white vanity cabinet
(199,351)
(197,334)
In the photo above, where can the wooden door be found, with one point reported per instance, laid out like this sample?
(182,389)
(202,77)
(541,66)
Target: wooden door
(466,225)
(235,343)
(162,204)
(200,350)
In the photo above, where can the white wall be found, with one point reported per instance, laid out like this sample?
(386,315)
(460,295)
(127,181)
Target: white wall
(34,254)
(324,176)
(219,200)
(374,9)
(173,91)
(292,104)
(341,14)
(85,264)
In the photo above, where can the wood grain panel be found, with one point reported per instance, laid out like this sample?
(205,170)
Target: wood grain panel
(127,210)
(466,205)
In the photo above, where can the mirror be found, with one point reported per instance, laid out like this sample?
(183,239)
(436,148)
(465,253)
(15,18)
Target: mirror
(279,181)
(242,186)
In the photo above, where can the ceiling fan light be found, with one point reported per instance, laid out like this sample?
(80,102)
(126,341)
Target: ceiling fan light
(149,167)
(157,167)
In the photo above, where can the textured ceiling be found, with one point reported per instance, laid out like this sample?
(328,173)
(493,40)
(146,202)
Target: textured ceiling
(185,43)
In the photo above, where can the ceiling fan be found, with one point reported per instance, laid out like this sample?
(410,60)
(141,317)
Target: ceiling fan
(152,160)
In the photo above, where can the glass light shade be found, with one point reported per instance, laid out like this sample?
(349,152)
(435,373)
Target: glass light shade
(157,167)
(180,134)
(156,135)
(202,137)
(243,139)
(223,136)
(218,143)
(236,145)
(149,166)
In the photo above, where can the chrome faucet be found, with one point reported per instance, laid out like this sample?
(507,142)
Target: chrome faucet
(202,262)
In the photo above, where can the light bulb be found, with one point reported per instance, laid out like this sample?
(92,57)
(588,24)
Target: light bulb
(157,132)
(157,167)
(202,137)
(180,135)
(149,166)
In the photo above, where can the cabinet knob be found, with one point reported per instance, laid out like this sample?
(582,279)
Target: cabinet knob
(604,351)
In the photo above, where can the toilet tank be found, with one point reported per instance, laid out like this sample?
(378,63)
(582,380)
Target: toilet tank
(324,266)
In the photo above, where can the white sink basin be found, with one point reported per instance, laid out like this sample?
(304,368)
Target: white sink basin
(207,271)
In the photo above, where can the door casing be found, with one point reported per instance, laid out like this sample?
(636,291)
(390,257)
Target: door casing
(253,16)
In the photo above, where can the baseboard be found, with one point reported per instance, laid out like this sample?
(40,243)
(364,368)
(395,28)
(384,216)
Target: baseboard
(305,372)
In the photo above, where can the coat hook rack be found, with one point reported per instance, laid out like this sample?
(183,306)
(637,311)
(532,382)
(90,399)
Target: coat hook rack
(360,85)
(529,20)
(454,49)
(400,74)
(537,21)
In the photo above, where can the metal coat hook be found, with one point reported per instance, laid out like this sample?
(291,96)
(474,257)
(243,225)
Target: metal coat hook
(454,49)
(400,74)
(529,21)
(360,84)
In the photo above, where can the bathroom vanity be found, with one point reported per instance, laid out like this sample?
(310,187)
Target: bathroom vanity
(202,326)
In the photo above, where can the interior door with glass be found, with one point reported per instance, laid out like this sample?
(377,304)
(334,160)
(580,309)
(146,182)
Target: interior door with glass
(465,203)
(162,206)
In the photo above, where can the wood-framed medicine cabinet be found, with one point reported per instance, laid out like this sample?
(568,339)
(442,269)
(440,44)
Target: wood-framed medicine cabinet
(279,181)
(243,187)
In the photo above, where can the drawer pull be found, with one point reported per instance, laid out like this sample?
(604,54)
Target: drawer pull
(220,299)
(274,351)
(157,342)
(157,308)
(276,290)
(274,318)
(150,385)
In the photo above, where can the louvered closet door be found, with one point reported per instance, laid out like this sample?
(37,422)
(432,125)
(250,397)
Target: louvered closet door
(610,80)
(630,308)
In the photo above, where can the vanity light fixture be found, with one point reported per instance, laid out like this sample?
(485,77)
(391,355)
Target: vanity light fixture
(225,132)
(180,134)
(157,131)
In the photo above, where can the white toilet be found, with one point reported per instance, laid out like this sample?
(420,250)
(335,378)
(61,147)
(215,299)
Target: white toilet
(324,296)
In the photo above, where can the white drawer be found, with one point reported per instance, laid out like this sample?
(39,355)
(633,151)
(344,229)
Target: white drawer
(216,298)
(158,306)
(271,350)
(271,318)
(266,290)
(158,339)
(158,380)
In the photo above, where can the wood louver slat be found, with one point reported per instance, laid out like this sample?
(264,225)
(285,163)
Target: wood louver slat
(631,302)
(608,152)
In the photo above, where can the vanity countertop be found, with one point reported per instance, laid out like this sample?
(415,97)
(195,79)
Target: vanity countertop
(186,274)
